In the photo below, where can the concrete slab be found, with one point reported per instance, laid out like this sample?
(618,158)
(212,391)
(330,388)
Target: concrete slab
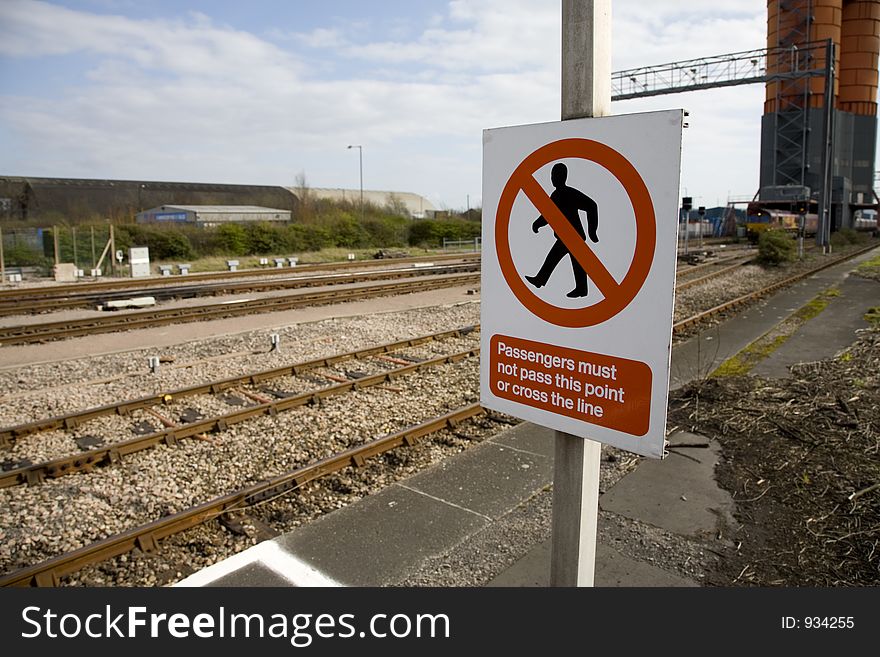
(490,479)
(612,569)
(678,494)
(697,357)
(616,569)
(530,570)
(373,541)
(528,437)
(827,334)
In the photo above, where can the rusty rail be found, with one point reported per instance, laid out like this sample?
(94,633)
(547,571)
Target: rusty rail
(159,281)
(25,305)
(702,279)
(147,537)
(757,294)
(88,460)
(686,272)
(70,421)
(27,333)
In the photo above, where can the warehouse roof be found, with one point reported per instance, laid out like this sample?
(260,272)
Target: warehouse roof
(415,204)
(220,209)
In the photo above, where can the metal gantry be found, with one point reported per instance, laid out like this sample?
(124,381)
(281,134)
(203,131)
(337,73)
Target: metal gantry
(787,64)
(746,67)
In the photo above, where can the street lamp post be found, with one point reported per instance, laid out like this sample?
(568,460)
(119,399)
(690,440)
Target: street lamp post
(361,163)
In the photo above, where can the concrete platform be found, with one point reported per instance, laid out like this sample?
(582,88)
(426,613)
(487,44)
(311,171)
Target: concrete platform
(453,505)
(683,496)
(612,569)
(835,329)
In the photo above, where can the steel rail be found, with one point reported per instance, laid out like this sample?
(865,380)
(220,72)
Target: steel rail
(72,420)
(84,461)
(690,270)
(124,284)
(25,333)
(22,306)
(684,324)
(147,537)
(715,274)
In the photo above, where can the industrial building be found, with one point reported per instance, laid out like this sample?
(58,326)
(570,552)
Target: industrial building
(211,215)
(418,207)
(825,120)
(82,199)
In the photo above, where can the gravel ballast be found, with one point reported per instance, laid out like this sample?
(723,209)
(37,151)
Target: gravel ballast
(42,521)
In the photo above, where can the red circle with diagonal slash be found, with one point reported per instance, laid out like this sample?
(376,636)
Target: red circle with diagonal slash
(616,296)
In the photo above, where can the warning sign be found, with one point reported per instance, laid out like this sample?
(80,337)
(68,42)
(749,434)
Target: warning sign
(579,252)
(561,213)
(611,392)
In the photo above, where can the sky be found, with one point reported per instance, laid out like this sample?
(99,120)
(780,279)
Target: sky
(266,92)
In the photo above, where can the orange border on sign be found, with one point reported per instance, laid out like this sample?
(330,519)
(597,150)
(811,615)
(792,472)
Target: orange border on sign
(616,297)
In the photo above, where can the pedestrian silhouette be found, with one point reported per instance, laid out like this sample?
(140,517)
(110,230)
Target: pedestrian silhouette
(569,201)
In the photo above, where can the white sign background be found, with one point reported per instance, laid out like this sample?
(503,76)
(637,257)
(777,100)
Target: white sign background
(642,331)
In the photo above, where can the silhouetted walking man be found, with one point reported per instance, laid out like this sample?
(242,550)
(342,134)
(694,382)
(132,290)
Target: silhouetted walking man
(569,200)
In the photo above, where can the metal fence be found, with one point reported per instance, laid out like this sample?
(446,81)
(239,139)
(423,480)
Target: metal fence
(474,244)
(36,250)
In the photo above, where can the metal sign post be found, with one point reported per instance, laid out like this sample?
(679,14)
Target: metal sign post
(586,92)
(581,201)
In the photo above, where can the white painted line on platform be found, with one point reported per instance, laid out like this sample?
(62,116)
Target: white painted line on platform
(503,446)
(442,501)
(292,569)
(268,554)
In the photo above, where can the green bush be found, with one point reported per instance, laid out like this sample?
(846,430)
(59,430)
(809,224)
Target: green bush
(232,239)
(844,237)
(20,255)
(347,231)
(163,242)
(308,238)
(328,224)
(387,231)
(264,238)
(776,247)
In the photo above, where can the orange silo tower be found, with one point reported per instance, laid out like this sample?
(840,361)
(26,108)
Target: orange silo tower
(794,133)
(857,96)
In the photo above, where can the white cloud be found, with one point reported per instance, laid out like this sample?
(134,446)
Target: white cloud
(322,37)
(192,47)
(189,99)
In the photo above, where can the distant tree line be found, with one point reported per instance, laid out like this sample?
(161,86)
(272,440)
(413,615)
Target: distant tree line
(321,224)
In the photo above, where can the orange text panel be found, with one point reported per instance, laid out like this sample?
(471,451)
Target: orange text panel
(604,390)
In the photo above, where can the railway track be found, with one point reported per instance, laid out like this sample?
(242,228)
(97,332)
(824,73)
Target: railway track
(43,300)
(174,432)
(690,322)
(147,536)
(79,299)
(74,419)
(157,282)
(690,282)
(41,332)
(58,297)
